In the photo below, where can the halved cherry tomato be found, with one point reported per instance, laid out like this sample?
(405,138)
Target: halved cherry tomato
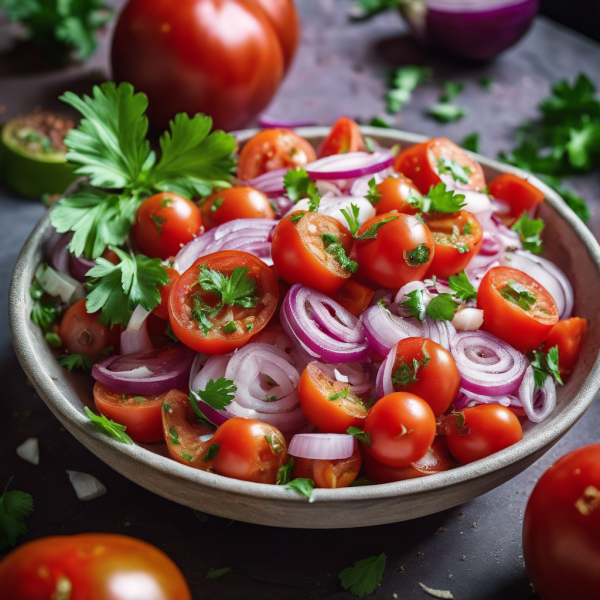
(331,416)
(523,318)
(519,194)
(457,239)
(397,193)
(474,433)
(431,162)
(162,310)
(239,202)
(427,370)
(330,473)
(273,149)
(81,333)
(354,297)
(91,566)
(299,252)
(344,137)
(435,460)
(401,429)
(187,298)
(567,335)
(164,224)
(401,252)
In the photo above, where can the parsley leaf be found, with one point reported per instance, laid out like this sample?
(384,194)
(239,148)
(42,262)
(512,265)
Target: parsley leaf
(529,231)
(117,289)
(299,185)
(418,256)
(379,122)
(373,195)
(351,216)
(235,290)
(284,474)
(402,83)
(442,307)
(108,427)
(216,573)
(486,82)
(458,172)
(333,247)
(360,435)
(545,364)
(45,309)
(217,394)
(406,374)
(445,112)
(365,576)
(371,232)
(471,142)
(75,361)
(202,313)
(414,304)
(211,453)
(338,395)
(519,294)
(461,285)
(451,90)
(440,200)
(302,485)
(15,506)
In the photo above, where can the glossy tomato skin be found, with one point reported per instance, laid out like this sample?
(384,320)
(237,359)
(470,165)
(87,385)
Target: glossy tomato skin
(568,336)
(184,57)
(396,193)
(420,164)
(273,149)
(453,253)
(383,259)
(438,380)
(164,224)
(249,321)
(343,137)
(330,474)
(523,329)
(81,333)
(481,431)
(162,310)
(239,202)
(561,528)
(401,427)
(330,416)
(299,253)
(354,297)
(518,193)
(90,566)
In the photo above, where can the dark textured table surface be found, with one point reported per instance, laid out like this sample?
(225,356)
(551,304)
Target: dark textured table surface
(474,550)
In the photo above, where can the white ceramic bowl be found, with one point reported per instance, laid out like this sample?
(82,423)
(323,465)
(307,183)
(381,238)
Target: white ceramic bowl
(568,243)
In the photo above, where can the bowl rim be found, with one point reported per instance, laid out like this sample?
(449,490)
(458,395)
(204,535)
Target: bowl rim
(74,419)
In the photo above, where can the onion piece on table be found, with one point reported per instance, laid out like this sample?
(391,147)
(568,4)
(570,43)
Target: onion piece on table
(29,450)
(87,487)
(322,446)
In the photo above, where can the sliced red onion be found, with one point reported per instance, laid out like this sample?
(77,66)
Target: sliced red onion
(57,252)
(332,207)
(328,188)
(135,338)
(280,340)
(383,383)
(487,365)
(322,446)
(350,165)
(247,235)
(546,397)
(282,203)
(468,319)
(360,187)
(327,331)
(440,332)
(354,374)
(147,373)
(268,122)
(490,246)
(546,274)
(79,266)
(269,183)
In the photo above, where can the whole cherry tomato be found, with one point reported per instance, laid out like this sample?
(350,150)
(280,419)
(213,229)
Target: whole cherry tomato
(164,224)
(516,308)
(225,58)
(273,149)
(81,333)
(238,202)
(330,473)
(519,194)
(567,335)
(343,137)
(474,433)
(91,566)
(401,429)
(561,528)
(162,310)
(400,252)
(439,160)
(398,194)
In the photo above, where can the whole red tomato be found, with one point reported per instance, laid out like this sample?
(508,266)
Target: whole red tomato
(225,58)
(91,567)
(561,530)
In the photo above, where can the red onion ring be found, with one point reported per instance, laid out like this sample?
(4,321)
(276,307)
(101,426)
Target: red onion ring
(306,316)
(322,446)
(383,383)
(384,329)
(147,373)
(440,332)
(135,338)
(546,397)
(267,122)
(270,182)
(350,165)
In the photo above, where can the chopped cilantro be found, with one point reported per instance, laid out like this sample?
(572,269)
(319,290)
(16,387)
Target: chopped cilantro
(351,216)
(471,142)
(360,435)
(302,485)
(418,256)
(338,395)
(174,436)
(75,361)
(217,204)
(53,339)
(299,185)
(365,576)
(187,455)
(462,248)
(108,427)
(139,399)
(379,122)
(519,294)
(406,374)
(275,446)
(371,232)
(414,304)
(211,453)
(284,474)
(486,82)
(545,364)
(529,231)
(467,229)
(15,506)
(462,287)
(369,145)
(442,307)
(159,221)
(440,200)
(202,313)
(445,112)
(297,216)
(249,326)
(333,247)
(45,309)
(373,195)
(402,83)
(231,327)
(216,573)
(457,171)
(217,394)
(166,407)
(451,90)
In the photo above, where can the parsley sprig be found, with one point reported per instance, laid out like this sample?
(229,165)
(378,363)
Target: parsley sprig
(15,507)
(299,185)
(462,287)
(440,200)
(333,247)
(402,83)
(108,427)
(529,231)
(519,294)
(441,307)
(217,394)
(365,576)
(544,364)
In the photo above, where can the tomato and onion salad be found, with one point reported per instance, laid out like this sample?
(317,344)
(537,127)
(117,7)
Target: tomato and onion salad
(336,337)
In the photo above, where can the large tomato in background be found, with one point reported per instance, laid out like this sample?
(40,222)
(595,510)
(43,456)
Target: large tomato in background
(225,58)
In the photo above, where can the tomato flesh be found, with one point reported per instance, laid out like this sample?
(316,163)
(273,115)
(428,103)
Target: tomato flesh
(568,336)
(344,137)
(519,194)
(354,297)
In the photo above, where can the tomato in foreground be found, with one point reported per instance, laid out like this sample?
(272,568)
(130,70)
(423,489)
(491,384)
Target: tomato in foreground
(398,193)
(330,473)
(343,137)
(239,202)
(516,308)
(81,333)
(327,404)
(427,370)
(91,567)
(436,160)
(519,194)
(567,335)
(474,433)
(273,149)
(401,251)
(164,224)
(221,301)
(561,528)
(401,428)
(162,310)
(300,254)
